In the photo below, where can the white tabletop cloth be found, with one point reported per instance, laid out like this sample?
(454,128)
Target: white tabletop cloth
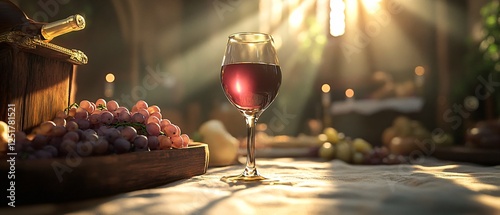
(371,106)
(319,187)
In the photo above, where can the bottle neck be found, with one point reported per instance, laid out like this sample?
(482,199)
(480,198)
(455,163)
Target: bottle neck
(64,26)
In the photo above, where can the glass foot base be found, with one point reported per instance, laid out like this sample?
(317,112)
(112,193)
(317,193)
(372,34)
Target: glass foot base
(257,179)
(243,178)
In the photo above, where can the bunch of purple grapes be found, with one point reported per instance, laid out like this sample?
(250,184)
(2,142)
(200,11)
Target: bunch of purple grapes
(101,128)
(381,155)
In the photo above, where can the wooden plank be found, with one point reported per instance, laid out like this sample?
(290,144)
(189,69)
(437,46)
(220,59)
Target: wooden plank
(47,90)
(468,154)
(12,84)
(38,86)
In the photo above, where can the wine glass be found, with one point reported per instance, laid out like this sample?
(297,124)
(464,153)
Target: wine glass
(250,78)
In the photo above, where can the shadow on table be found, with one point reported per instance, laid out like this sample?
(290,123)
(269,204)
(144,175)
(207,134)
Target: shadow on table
(444,197)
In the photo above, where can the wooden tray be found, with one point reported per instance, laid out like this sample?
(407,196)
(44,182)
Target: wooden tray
(37,181)
(468,154)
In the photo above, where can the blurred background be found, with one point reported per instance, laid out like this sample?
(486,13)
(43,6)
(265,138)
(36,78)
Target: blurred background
(355,65)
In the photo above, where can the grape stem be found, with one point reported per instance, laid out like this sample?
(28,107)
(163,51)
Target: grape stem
(101,107)
(66,110)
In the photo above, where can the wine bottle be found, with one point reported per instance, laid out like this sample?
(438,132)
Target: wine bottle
(60,27)
(13,19)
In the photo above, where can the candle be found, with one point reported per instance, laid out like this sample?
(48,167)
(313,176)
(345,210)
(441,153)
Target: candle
(325,100)
(326,94)
(349,94)
(419,78)
(109,86)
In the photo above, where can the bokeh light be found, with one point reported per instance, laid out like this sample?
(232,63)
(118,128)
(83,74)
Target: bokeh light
(419,70)
(325,88)
(337,17)
(110,78)
(349,93)
(371,6)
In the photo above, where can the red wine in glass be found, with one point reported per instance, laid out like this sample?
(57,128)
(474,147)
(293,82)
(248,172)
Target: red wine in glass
(251,86)
(250,77)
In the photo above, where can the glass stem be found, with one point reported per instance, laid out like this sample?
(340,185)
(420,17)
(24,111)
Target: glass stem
(250,169)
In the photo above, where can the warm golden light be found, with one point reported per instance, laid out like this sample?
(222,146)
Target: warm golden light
(327,145)
(349,93)
(109,87)
(276,10)
(337,17)
(296,18)
(322,14)
(265,15)
(351,11)
(322,137)
(325,88)
(277,41)
(419,70)
(466,180)
(110,77)
(371,6)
